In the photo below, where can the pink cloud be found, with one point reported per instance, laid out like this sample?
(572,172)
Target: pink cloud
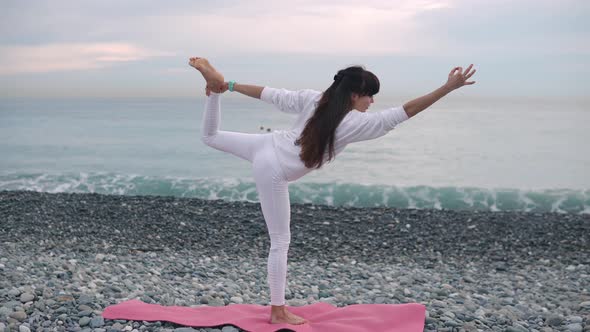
(69,56)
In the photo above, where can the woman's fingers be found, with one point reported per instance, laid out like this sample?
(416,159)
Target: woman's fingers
(468,72)
(460,70)
(453,72)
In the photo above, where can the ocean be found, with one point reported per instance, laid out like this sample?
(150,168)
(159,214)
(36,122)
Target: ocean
(478,154)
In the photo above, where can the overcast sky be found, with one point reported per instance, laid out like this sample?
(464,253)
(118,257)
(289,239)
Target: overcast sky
(133,48)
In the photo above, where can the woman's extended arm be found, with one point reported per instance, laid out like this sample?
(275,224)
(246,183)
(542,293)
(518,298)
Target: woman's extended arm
(455,81)
(285,100)
(253,91)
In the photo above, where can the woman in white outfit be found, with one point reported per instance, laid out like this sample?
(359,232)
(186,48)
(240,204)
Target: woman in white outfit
(326,122)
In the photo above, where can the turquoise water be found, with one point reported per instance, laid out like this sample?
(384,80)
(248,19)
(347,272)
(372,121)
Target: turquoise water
(496,155)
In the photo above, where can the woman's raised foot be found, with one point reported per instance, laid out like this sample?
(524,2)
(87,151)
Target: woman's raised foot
(214,79)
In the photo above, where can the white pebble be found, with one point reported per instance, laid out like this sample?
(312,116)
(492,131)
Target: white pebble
(236,299)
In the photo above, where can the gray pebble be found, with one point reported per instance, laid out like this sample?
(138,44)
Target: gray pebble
(216,302)
(452,323)
(469,279)
(554,320)
(40,305)
(84,321)
(516,328)
(437,303)
(85,313)
(84,307)
(236,299)
(574,327)
(85,299)
(4,312)
(24,328)
(26,297)
(229,328)
(18,315)
(97,322)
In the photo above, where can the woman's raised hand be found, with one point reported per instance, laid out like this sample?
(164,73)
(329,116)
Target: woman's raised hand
(458,78)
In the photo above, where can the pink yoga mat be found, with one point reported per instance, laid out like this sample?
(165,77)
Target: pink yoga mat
(322,317)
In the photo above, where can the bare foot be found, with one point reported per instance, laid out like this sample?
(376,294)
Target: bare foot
(213,77)
(286,317)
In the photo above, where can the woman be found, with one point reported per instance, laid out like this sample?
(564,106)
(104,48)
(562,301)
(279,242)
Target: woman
(326,123)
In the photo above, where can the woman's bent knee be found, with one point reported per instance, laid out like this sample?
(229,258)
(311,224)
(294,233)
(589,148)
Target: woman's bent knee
(208,139)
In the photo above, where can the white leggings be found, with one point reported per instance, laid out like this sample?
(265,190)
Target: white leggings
(271,185)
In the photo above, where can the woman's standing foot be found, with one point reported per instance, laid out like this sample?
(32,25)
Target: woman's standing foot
(214,78)
(281,315)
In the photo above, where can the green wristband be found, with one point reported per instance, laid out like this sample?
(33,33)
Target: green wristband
(231,85)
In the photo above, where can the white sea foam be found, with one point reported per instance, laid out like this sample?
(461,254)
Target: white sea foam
(346,194)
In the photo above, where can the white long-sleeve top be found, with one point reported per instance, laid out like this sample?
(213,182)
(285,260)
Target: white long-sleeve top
(355,127)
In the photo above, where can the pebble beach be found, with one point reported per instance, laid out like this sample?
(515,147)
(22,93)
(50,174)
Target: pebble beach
(65,257)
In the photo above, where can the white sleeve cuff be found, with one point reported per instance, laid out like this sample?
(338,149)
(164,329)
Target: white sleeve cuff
(393,116)
(267,94)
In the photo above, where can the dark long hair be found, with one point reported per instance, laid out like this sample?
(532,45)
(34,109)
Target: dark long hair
(333,106)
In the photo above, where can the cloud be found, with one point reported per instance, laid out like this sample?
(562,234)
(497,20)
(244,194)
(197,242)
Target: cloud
(299,27)
(344,27)
(70,56)
(252,27)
